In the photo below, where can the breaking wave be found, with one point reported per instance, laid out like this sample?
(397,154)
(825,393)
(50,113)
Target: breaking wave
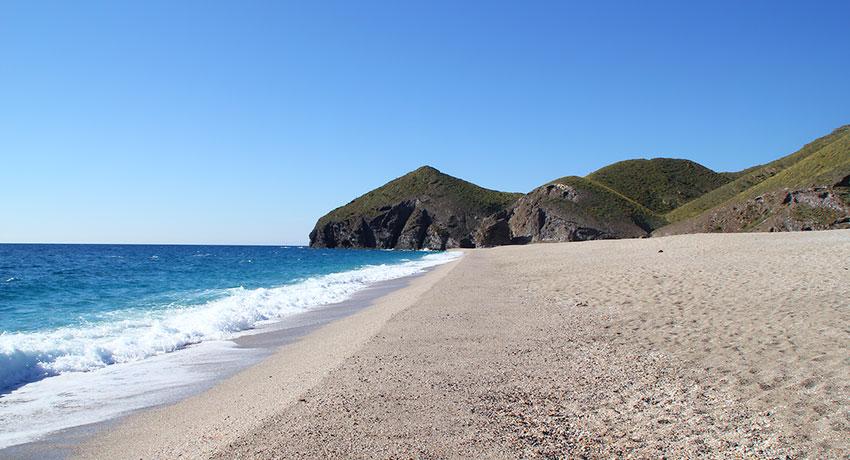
(135,334)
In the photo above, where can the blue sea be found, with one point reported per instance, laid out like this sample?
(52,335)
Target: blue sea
(82,326)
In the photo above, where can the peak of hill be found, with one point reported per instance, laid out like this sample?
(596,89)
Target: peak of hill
(424,208)
(659,184)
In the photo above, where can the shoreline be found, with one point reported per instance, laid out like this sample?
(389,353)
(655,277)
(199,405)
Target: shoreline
(336,330)
(263,342)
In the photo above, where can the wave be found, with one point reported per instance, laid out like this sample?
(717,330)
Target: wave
(133,335)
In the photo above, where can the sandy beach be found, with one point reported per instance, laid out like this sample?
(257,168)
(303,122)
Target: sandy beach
(720,345)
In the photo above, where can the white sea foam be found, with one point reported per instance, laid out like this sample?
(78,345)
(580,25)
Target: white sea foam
(80,398)
(95,355)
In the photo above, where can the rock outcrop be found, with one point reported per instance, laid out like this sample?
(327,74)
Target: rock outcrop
(568,209)
(424,209)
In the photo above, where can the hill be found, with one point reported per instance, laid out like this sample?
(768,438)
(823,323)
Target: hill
(805,190)
(660,184)
(422,209)
(823,161)
(569,209)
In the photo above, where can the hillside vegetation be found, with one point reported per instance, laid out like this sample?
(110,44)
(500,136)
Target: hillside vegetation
(568,209)
(422,209)
(660,184)
(806,190)
(608,205)
(823,161)
(429,184)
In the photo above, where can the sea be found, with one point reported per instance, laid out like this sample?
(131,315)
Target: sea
(91,332)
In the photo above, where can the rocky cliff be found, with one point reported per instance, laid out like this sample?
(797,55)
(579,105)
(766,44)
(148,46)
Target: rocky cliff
(568,209)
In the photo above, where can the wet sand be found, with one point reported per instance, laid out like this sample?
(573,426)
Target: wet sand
(734,345)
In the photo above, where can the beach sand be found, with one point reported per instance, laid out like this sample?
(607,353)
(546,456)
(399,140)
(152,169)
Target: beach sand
(732,345)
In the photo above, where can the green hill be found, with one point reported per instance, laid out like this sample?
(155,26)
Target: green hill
(825,166)
(821,162)
(448,210)
(568,209)
(609,206)
(659,184)
(426,182)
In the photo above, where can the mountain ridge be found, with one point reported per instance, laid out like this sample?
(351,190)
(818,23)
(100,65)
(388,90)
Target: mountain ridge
(428,209)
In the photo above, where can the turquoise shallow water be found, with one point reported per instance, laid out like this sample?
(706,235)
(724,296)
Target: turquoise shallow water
(79,308)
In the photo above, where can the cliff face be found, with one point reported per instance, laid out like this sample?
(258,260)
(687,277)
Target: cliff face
(424,209)
(404,225)
(568,209)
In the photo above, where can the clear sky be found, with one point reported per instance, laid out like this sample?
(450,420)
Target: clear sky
(243,122)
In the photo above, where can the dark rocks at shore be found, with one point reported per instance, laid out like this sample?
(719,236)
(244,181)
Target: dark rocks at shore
(403,226)
(406,225)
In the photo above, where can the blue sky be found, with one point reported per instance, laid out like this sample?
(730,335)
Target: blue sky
(243,122)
